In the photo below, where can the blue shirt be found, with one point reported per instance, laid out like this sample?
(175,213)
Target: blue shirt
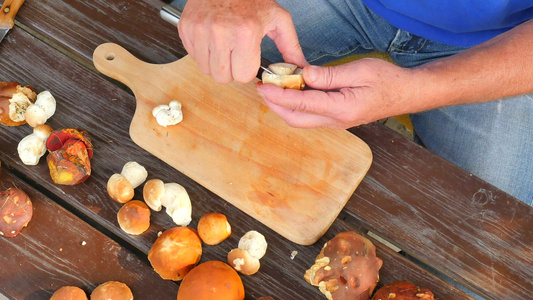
(454,22)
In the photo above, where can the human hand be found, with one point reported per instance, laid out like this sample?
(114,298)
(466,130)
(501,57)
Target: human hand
(349,95)
(224,37)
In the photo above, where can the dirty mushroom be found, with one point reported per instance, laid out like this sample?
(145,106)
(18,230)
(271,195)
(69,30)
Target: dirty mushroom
(121,186)
(14,100)
(284,75)
(172,196)
(134,217)
(40,111)
(70,154)
(346,268)
(32,147)
(175,252)
(167,115)
(16,211)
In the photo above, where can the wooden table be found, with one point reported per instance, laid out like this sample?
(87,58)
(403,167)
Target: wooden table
(443,218)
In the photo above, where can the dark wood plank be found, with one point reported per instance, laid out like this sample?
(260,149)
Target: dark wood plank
(58,249)
(89,101)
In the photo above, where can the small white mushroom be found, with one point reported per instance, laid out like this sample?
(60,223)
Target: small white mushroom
(170,114)
(253,242)
(121,186)
(40,111)
(33,147)
(177,203)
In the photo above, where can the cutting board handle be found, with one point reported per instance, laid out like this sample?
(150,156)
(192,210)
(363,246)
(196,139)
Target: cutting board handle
(116,62)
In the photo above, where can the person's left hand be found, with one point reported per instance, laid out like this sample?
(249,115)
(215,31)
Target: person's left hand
(366,90)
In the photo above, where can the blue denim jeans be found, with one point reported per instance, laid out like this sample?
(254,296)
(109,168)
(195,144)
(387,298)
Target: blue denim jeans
(492,140)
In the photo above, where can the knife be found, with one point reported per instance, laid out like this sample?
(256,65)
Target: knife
(173,15)
(7,16)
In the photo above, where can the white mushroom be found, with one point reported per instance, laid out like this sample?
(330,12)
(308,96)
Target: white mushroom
(284,75)
(17,107)
(253,242)
(121,186)
(40,111)
(170,114)
(33,147)
(177,203)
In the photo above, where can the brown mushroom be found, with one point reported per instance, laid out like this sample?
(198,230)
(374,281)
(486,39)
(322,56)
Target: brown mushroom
(175,252)
(16,211)
(112,290)
(134,217)
(213,228)
(243,262)
(346,268)
(14,100)
(403,290)
(69,158)
(121,187)
(69,293)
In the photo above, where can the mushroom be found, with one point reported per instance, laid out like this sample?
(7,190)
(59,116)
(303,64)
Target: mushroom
(211,280)
(284,75)
(121,186)
(403,290)
(346,267)
(172,196)
(70,154)
(170,114)
(112,290)
(245,259)
(40,111)
(33,147)
(175,252)
(69,293)
(14,100)
(16,211)
(214,228)
(134,217)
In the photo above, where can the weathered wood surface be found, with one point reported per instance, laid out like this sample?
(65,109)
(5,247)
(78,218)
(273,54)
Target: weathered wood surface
(431,209)
(57,249)
(89,101)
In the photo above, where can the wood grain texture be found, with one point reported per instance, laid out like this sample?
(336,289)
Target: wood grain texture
(88,101)
(294,181)
(58,249)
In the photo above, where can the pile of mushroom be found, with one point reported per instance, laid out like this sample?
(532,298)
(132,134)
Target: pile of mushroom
(172,196)
(245,259)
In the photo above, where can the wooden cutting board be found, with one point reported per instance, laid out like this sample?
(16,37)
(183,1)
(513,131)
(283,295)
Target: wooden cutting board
(295,181)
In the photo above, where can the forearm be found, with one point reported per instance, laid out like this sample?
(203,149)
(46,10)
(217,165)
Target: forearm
(496,69)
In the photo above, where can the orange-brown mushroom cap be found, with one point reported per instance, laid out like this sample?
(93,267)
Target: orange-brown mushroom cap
(16,211)
(403,290)
(112,290)
(214,228)
(69,293)
(134,217)
(211,280)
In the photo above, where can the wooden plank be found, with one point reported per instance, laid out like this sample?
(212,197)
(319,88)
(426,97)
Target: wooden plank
(89,101)
(58,249)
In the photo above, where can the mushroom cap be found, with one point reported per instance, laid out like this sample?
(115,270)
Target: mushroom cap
(243,262)
(214,228)
(175,252)
(7,91)
(135,173)
(119,188)
(58,138)
(211,280)
(346,268)
(253,242)
(112,290)
(153,190)
(69,293)
(16,211)
(403,290)
(134,217)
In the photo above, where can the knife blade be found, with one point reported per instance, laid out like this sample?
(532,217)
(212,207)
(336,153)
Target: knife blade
(8,12)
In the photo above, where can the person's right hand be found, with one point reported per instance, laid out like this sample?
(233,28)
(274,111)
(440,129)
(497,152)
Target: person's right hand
(224,37)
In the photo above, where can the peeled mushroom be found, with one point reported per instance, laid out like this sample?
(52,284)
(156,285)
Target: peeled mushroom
(167,115)
(121,186)
(285,75)
(40,111)
(33,147)
(253,242)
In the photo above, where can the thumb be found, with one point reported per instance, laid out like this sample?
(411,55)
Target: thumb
(286,39)
(327,78)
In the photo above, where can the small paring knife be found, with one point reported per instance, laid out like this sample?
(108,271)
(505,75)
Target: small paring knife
(8,12)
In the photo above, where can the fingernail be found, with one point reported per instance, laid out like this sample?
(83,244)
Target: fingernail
(312,73)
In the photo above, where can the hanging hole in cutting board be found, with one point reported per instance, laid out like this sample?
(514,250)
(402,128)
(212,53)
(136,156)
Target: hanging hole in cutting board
(110,56)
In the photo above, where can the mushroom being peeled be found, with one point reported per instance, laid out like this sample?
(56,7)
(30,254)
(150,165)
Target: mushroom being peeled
(40,111)
(33,147)
(285,75)
(121,186)
(14,100)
